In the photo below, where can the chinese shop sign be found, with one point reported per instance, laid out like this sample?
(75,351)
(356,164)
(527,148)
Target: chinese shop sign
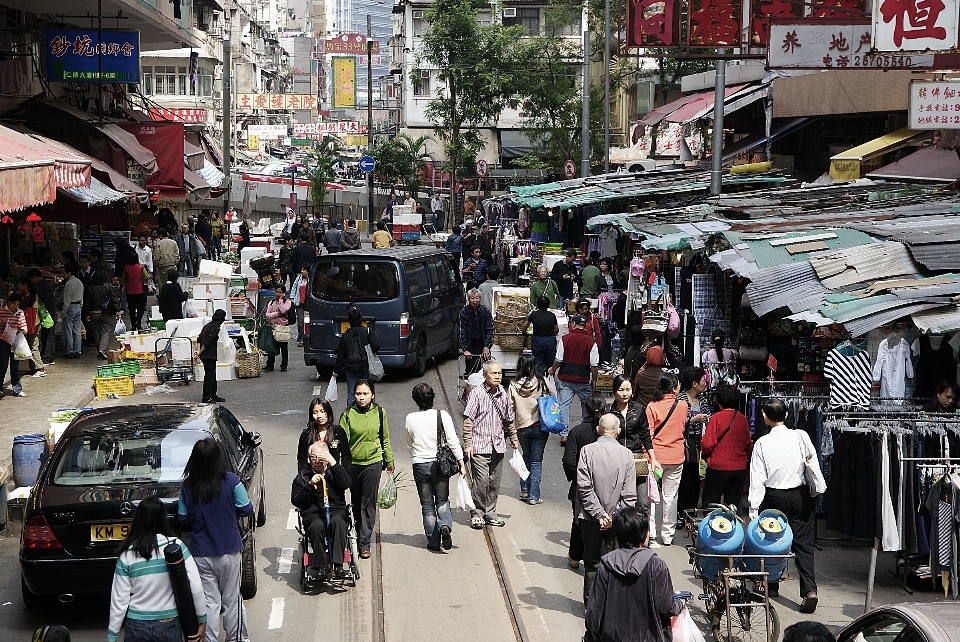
(181,115)
(276,101)
(653,23)
(762,11)
(344,82)
(332,127)
(714,23)
(934,105)
(72,55)
(814,45)
(915,25)
(350,43)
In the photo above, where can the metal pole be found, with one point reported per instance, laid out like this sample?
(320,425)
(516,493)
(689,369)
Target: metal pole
(369,122)
(871,574)
(716,173)
(606,86)
(585,128)
(99,62)
(227,93)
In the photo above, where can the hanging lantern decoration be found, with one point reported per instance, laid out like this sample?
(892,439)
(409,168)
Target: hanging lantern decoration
(34,217)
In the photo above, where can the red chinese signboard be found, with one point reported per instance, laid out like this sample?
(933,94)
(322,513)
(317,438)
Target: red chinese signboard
(714,23)
(915,25)
(653,23)
(839,10)
(349,43)
(179,115)
(165,140)
(761,13)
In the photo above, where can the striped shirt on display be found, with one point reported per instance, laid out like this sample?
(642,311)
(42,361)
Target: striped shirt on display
(850,379)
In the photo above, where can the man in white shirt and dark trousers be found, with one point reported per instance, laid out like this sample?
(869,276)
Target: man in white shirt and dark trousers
(777,481)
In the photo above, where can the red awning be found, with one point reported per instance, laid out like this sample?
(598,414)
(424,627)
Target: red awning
(928,164)
(701,102)
(72,168)
(657,114)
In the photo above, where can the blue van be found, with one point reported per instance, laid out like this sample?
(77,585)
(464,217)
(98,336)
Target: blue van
(410,296)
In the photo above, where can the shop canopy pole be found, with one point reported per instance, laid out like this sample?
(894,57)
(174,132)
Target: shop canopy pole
(716,172)
(585,125)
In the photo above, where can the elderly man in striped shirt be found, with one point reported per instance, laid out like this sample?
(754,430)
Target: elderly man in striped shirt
(487,426)
(12,323)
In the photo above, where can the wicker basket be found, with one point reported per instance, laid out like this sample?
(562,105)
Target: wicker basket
(248,364)
(510,341)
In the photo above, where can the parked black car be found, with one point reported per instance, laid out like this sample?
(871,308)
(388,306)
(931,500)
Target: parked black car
(937,621)
(104,464)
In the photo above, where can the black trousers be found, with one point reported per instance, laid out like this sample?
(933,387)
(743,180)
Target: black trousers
(136,305)
(797,505)
(209,378)
(596,543)
(688,494)
(363,496)
(575,551)
(272,359)
(316,528)
(725,484)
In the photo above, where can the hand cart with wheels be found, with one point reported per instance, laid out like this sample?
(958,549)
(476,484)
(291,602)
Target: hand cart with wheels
(174,359)
(463,375)
(736,602)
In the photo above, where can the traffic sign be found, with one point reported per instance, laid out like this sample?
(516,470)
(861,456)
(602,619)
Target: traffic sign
(366,164)
(569,169)
(481,167)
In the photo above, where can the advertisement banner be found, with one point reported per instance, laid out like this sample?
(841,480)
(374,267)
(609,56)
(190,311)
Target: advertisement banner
(165,140)
(179,115)
(344,82)
(934,105)
(653,23)
(72,55)
(349,43)
(267,132)
(714,23)
(818,45)
(278,102)
(333,127)
(915,25)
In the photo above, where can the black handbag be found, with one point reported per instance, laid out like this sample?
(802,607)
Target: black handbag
(447,464)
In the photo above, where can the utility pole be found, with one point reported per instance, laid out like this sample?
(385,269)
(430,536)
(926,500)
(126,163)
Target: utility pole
(227,93)
(369,122)
(585,126)
(606,86)
(719,88)
(100,52)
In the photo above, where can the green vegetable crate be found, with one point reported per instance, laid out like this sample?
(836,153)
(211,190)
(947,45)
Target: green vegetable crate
(122,369)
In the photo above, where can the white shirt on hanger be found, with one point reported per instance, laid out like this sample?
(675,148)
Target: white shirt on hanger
(892,369)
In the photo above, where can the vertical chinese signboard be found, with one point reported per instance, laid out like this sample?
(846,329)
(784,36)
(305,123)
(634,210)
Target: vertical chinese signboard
(344,82)
(71,55)
(714,23)
(653,23)
(915,25)
(934,105)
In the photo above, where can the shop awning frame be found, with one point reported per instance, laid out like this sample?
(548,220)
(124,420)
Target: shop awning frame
(96,195)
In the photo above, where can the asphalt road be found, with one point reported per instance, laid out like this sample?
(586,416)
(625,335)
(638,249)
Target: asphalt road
(426,595)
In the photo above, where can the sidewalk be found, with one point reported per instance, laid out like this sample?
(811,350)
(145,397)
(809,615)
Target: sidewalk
(68,384)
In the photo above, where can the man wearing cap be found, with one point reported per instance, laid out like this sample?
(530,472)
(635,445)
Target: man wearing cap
(576,368)
(476,331)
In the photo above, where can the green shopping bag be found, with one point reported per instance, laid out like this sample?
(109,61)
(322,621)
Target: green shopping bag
(266,342)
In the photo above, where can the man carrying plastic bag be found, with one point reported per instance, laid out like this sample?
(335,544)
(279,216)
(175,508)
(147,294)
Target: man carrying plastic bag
(14,325)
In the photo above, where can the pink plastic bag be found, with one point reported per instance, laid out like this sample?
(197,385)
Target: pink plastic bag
(653,489)
(673,324)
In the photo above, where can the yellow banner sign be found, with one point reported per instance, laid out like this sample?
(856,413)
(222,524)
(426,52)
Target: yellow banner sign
(344,82)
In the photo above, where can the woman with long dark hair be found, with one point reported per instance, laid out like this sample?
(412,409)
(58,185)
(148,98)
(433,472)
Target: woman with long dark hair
(365,424)
(211,500)
(634,431)
(141,592)
(321,427)
(523,392)
(580,435)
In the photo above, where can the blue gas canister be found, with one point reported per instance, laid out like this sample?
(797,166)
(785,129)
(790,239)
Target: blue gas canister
(768,533)
(718,534)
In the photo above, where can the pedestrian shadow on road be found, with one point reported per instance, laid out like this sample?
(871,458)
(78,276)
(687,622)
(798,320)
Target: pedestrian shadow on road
(541,598)
(559,538)
(416,541)
(532,555)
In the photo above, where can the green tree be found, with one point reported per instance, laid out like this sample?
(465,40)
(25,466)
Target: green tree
(390,162)
(320,168)
(415,155)
(478,67)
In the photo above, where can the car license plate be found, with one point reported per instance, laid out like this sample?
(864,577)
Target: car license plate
(345,325)
(108,532)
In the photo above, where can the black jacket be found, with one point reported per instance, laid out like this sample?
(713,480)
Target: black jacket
(564,286)
(170,301)
(580,435)
(303,254)
(634,429)
(339,448)
(310,500)
(631,599)
(343,348)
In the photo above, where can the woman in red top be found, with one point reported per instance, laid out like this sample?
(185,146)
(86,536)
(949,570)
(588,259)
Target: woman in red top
(667,418)
(726,447)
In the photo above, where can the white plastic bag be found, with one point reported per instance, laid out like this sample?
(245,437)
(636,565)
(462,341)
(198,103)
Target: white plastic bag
(374,366)
(152,390)
(188,311)
(516,462)
(331,394)
(120,328)
(684,629)
(464,498)
(21,349)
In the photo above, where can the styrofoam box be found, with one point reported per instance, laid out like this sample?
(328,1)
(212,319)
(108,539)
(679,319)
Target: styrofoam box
(209,291)
(401,210)
(219,304)
(186,327)
(248,253)
(225,372)
(142,342)
(206,278)
(155,313)
(215,268)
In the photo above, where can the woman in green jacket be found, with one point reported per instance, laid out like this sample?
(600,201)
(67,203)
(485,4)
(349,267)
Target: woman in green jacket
(366,426)
(545,286)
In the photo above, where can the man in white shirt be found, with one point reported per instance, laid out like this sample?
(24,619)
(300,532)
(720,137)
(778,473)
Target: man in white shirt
(145,254)
(777,481)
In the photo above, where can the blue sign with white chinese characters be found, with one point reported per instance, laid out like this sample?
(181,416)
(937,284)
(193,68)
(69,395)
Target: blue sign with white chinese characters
(72,55)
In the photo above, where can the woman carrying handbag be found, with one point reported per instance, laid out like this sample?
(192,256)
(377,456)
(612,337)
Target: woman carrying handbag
(278,317)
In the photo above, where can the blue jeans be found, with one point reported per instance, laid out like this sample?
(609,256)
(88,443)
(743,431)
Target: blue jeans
(352,380)
(186,267)
(72,324)
(565,393)
(434,491)
(544,351)
(153,631)
(533,442)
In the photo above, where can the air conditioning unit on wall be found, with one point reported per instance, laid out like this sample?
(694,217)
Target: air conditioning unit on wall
(510,12)
(424,73)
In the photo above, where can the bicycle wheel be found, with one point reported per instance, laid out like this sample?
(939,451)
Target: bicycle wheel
(747,623)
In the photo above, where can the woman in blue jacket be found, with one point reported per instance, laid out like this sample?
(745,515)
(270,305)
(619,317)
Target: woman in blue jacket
(211,500)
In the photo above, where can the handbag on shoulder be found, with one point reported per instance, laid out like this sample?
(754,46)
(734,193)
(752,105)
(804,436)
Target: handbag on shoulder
(447,464)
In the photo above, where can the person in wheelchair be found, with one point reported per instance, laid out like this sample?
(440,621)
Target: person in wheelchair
(319,493)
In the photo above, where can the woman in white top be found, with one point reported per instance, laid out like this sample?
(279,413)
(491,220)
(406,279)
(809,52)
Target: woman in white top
(433,488)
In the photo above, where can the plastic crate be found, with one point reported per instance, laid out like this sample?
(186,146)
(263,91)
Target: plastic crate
(240,307)
(246,324)
(158,324)
(120,386)
(122,369)
(410,236)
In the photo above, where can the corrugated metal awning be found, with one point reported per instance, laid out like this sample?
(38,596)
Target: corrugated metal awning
(96,195)
(211,174)
(72,168)
(701,104)
(193,156)
(840,269)
(769,250)
(939,320)
(881,145)
(195,184)
(794,286)
(927,164)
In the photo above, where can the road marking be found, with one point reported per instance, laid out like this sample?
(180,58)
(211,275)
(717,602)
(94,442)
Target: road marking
(285,561)
(276,613)
(292,519)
